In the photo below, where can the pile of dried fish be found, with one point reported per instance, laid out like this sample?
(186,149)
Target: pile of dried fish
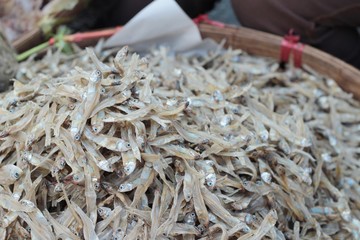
(213,147)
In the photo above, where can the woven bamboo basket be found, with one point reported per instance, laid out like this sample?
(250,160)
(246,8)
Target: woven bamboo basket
(261,44)
(268,45)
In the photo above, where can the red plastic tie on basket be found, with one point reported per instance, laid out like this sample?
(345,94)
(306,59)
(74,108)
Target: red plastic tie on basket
(290,44)
(204,18)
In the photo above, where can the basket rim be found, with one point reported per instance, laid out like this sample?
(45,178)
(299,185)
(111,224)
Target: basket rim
(268,45)
(260,44)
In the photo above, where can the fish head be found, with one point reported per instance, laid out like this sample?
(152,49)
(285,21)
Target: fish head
(96,128)
(123,146)
(77,136)
(58,187)
(105,165)
(129,168)
(96,76)
(54,171)
(104,212)
(16,196)
(96,184)
(266,177)
(75,132)
(61,163)
(27,203)
(78,177)
(15,172)
(118,234)
(126,187)
(190,218)
(126,94)
(27,156)
(217,96)
(210,180)
(102,90)
(122,53)
(144,61)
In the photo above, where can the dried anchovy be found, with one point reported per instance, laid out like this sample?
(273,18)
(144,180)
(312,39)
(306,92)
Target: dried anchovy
(218,146)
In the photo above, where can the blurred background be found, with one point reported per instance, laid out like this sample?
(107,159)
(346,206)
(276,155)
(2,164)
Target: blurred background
(223,12)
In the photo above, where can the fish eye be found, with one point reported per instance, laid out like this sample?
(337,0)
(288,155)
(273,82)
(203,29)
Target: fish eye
(97,72)
(128,145)
(54,170)
(57,189)
(246,229)
(193,214)
(103,90)
(201,229)
(27,203)
(16,175)
(95,129)
(77,137)
(210,184)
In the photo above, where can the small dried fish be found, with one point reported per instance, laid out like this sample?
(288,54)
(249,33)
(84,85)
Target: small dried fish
(88,225)
(111,143)
(266,225)
(221,146)
(207,167)
(9,174)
